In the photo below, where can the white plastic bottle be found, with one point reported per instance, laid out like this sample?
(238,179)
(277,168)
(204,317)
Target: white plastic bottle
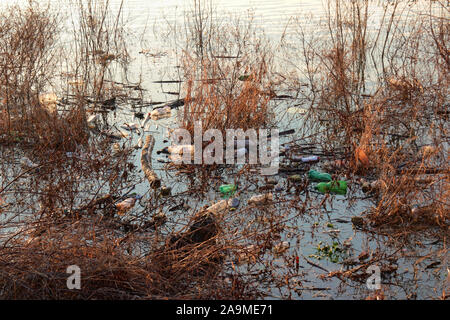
(261,198)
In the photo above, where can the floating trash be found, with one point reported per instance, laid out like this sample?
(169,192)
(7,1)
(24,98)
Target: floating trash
(116,148)
(165,191)
(227,190)
(92,120)
(125,205)
(337,187)
(310,159)
(314,175)
(181,149)
(218,207)
(178,158)
(261,198)
(160,113)
(233,203)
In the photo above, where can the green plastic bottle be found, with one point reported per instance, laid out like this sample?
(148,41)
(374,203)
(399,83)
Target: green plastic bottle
(314,175)
(338,187)
(227,189)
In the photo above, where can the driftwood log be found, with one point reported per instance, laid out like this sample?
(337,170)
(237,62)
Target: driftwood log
(146,162)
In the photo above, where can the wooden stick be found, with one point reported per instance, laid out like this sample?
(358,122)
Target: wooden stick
(152,178)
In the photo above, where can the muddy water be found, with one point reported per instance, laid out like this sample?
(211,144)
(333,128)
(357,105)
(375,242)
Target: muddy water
(145,20)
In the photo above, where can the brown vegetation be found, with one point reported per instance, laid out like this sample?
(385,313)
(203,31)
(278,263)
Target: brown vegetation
(61,211)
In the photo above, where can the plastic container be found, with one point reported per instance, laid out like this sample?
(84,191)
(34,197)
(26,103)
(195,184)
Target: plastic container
(218,207)
(161,112)
(337,187)
(126,204)
(166,191)
(370,187)
(91,121)
(261,198)
(181,149)
(233,203)
(365,186)
(130,126)
(314,175)
(297,158)
(310,159)
(227,189)
(178,158)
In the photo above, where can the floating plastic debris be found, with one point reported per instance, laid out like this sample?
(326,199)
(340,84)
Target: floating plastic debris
(227,189)
(262,198)
(338,187)
(314,175)
(297,110)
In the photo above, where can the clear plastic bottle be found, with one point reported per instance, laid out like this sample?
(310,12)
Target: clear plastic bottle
(161,112)
(261,198)
(218,207)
